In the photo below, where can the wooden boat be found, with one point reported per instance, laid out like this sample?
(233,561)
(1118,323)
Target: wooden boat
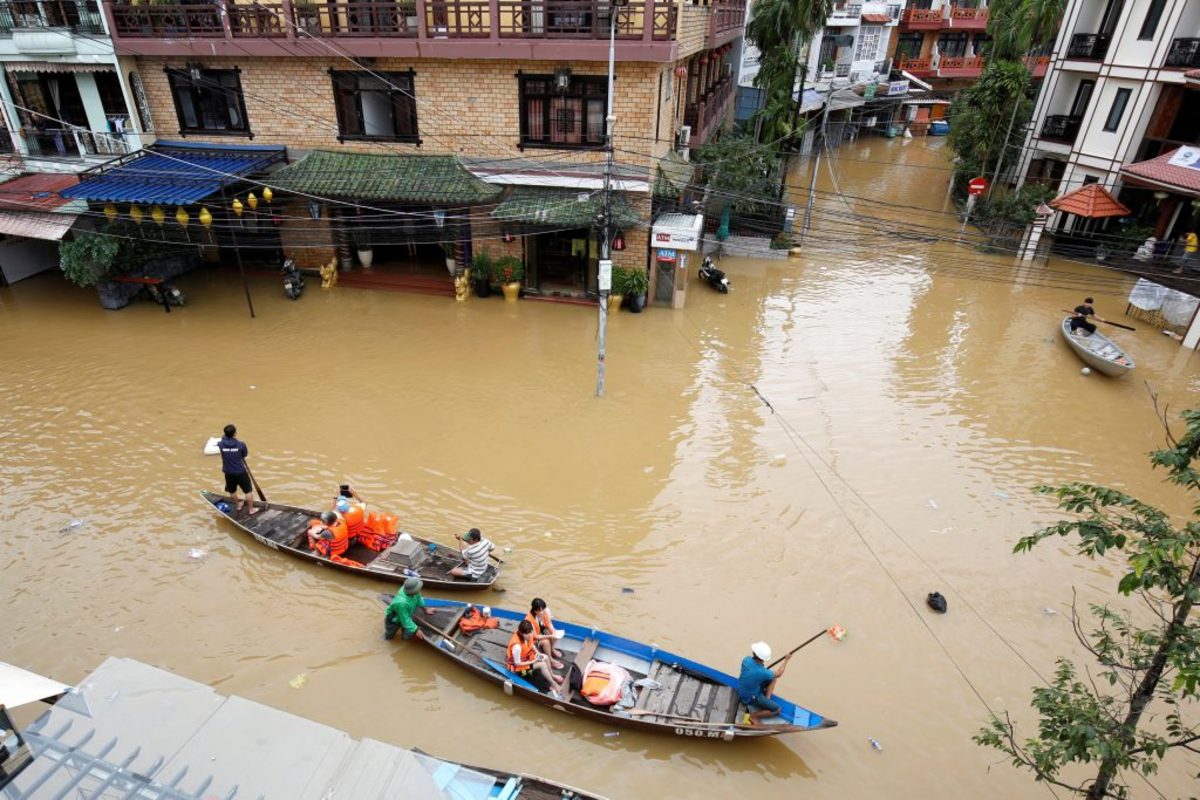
(285,528)
(694,700)
(517,786)
(1098,351)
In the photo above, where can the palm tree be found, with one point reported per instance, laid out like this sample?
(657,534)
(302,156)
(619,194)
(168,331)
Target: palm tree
(779,28)
(1019,27)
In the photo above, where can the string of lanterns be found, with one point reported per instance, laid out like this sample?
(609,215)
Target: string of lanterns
(159,216)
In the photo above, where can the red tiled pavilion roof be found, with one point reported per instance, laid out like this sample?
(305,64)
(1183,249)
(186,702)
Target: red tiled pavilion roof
(1158,172)
(1091,202)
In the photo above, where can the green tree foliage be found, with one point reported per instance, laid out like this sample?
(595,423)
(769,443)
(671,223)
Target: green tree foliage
(740,173)
(118,248)
(778,28)
(980,116)
(88,257)
(1097,718)
(1019,27)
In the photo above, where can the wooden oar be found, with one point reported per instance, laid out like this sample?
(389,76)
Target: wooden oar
(257,488)
(1102,319)
(836,632)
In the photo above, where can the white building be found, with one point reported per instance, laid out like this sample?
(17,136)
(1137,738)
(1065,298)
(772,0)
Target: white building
(66,105)
(854,45)
(1117,93)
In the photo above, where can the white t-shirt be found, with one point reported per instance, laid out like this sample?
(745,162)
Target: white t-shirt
(477,556)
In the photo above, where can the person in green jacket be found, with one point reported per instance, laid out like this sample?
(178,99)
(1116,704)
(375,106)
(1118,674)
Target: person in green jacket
(400,612)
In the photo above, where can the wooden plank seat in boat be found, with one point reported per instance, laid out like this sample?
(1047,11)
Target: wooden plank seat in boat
(587,651)
(682,695)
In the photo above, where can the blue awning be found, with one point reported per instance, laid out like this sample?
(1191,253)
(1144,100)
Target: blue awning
(173,173)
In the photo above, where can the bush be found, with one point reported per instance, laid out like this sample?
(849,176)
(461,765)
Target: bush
(637,282)
(1016,208)
(482,267)
(508,269)
(88,257)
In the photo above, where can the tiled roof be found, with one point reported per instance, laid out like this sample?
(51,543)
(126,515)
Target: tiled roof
(429,180)
(38,192)
(1091,202)
(561,208)
(173,173)
(36,224)
(1158,172)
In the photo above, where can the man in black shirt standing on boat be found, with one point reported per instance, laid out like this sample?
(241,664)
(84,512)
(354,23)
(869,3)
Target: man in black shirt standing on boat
(1080,318)
(233,464)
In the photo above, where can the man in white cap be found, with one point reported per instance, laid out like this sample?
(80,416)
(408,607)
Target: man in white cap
(757,682)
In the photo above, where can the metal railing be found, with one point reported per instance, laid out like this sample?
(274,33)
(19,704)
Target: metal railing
(1184,53)
(1088,45)
(73,143)
(1062,127)
(77,16)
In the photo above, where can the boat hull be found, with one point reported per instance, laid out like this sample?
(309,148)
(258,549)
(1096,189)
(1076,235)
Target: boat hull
(1098,352)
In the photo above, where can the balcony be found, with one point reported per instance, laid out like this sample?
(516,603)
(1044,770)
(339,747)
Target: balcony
(727,15)
(705,115)
(921,19)
(920,67)
(844,13)
(1184,53)
(960,66)
(73,143)
(1061,128)
(76,16)
(1091,46)
(552,29)
(968,19)
(1037,65)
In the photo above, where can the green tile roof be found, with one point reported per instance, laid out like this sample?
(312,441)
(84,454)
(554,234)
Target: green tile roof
(433,180)
(561,208)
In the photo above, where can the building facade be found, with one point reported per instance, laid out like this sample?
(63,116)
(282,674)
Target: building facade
(435,130)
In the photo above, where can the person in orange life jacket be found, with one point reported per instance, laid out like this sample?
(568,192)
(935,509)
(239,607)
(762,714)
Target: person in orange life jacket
(543,625)
(329,535)
(523,658)
(756,683)
(352,514)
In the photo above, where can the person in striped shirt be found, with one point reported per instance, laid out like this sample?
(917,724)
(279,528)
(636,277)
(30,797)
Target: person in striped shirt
(475,549)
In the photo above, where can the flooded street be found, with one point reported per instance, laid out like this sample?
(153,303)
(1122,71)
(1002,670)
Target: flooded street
(916,390)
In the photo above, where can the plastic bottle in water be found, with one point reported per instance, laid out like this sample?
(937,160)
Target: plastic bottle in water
(874,743)
(611,734)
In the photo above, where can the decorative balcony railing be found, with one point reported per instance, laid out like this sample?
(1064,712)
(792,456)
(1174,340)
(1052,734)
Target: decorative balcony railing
(850,10)
(1037,65)
(961,64)
(961,17)
(727,15)
(923,16)
(1061,127)
(1184,53)
(78,16)
(443,19)
(72,143)
(1088,45)
(915,65)
(705,114)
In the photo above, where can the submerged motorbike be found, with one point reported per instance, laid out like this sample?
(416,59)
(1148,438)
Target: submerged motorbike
(293,280)
(713,276)
(165,295)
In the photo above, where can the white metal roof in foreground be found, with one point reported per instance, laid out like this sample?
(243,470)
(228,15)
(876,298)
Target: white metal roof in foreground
(19,687)
(134,731)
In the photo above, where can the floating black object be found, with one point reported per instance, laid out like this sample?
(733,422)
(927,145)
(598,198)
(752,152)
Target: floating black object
(935,601)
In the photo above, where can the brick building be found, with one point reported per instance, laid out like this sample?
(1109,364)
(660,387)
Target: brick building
(412,124)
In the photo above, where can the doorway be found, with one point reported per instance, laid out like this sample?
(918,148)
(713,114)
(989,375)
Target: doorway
(563,262)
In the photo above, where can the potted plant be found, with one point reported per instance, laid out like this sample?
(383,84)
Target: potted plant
(616,296)
(637,283)
(361,237)
(482,267)
(509,271)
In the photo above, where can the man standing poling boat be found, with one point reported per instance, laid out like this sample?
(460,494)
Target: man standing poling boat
(399,615)
(233,464)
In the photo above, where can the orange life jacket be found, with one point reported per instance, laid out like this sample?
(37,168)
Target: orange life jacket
(540,622)
(328,547)
(354,517)
(528,651)
(474,620)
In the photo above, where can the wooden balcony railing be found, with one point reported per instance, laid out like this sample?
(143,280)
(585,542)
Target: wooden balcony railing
(1037,65)
(78,16)
(165,22)
(727,15)
(259,20)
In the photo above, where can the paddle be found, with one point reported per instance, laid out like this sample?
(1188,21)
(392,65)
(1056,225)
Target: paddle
(836,632)
(257,488)
(491,555)
(1102,319)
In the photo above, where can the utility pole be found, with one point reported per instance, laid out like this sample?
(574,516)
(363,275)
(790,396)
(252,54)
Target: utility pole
(604,271)
(812,182)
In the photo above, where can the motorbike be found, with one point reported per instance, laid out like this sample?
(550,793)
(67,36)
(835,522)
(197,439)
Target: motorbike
(713,276)
(165,295)
(293,280)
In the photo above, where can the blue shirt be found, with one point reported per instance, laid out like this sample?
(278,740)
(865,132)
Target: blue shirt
(754,675)
(233,455)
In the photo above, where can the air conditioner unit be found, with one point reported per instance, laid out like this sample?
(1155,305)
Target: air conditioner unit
(685,135)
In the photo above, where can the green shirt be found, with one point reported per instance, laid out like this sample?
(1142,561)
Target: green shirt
(402,608)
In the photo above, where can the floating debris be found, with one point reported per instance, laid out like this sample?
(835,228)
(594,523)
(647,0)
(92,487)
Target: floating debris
(299,680)
(508,549)
(612,734)
(779,460)
(626,590)
(197,554)
(1048,611)
(72,526)
(933,504)
(875,743)
(1001,494)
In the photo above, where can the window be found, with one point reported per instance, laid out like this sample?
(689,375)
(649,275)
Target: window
(1150,23)
(952,45)
(1118,109)
(573,117)
(908,45)
(868,42)
(378,106)
(1083,95)
(209,101)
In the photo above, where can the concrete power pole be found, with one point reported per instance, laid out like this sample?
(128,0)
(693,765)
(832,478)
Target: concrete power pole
(604,276)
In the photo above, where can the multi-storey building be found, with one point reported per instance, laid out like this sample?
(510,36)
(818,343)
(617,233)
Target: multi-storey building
(414,123)
(65,104)
(854,44)
(1118,104)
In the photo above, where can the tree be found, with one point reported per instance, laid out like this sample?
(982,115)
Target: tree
(779,28)
(1099,720)
(995,107)
(738,171)
(1019,27)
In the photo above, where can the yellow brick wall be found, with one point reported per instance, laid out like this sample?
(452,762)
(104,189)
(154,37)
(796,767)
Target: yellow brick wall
(692,34)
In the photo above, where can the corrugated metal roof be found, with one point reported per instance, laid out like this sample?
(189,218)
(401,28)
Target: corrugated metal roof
(38,192)
(1091,202)
(36,224)
(174,173)
(1182,176)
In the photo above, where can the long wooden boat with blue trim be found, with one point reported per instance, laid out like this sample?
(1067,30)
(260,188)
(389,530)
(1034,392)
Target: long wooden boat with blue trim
(285,528)
(694,700)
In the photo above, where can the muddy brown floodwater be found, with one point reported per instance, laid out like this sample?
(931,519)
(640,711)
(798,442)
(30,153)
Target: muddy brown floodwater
(918,390)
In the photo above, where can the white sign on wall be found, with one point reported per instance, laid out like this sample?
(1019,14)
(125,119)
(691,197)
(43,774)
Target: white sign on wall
(1186,157)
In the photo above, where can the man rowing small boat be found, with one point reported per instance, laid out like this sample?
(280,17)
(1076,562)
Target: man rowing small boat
(1079,318)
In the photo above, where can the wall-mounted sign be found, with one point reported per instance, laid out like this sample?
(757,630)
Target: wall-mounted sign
(667,255)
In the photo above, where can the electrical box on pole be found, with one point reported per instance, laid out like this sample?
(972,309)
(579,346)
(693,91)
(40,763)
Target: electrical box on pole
(605,275)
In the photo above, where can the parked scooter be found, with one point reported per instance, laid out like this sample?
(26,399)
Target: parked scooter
(165,295)
(293,280)
(713,276)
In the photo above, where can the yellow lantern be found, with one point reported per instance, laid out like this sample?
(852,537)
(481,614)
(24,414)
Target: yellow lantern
(135,214)
(205,217)
(157,215)
(267,193)
(252,201)
(237,207)
(110,211)
(181,216)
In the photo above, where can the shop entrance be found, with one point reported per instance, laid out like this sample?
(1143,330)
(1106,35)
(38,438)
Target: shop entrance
(562,262)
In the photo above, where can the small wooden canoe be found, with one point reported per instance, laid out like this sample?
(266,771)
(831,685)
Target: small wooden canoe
(1097,351)
(285,528)
(694,700)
